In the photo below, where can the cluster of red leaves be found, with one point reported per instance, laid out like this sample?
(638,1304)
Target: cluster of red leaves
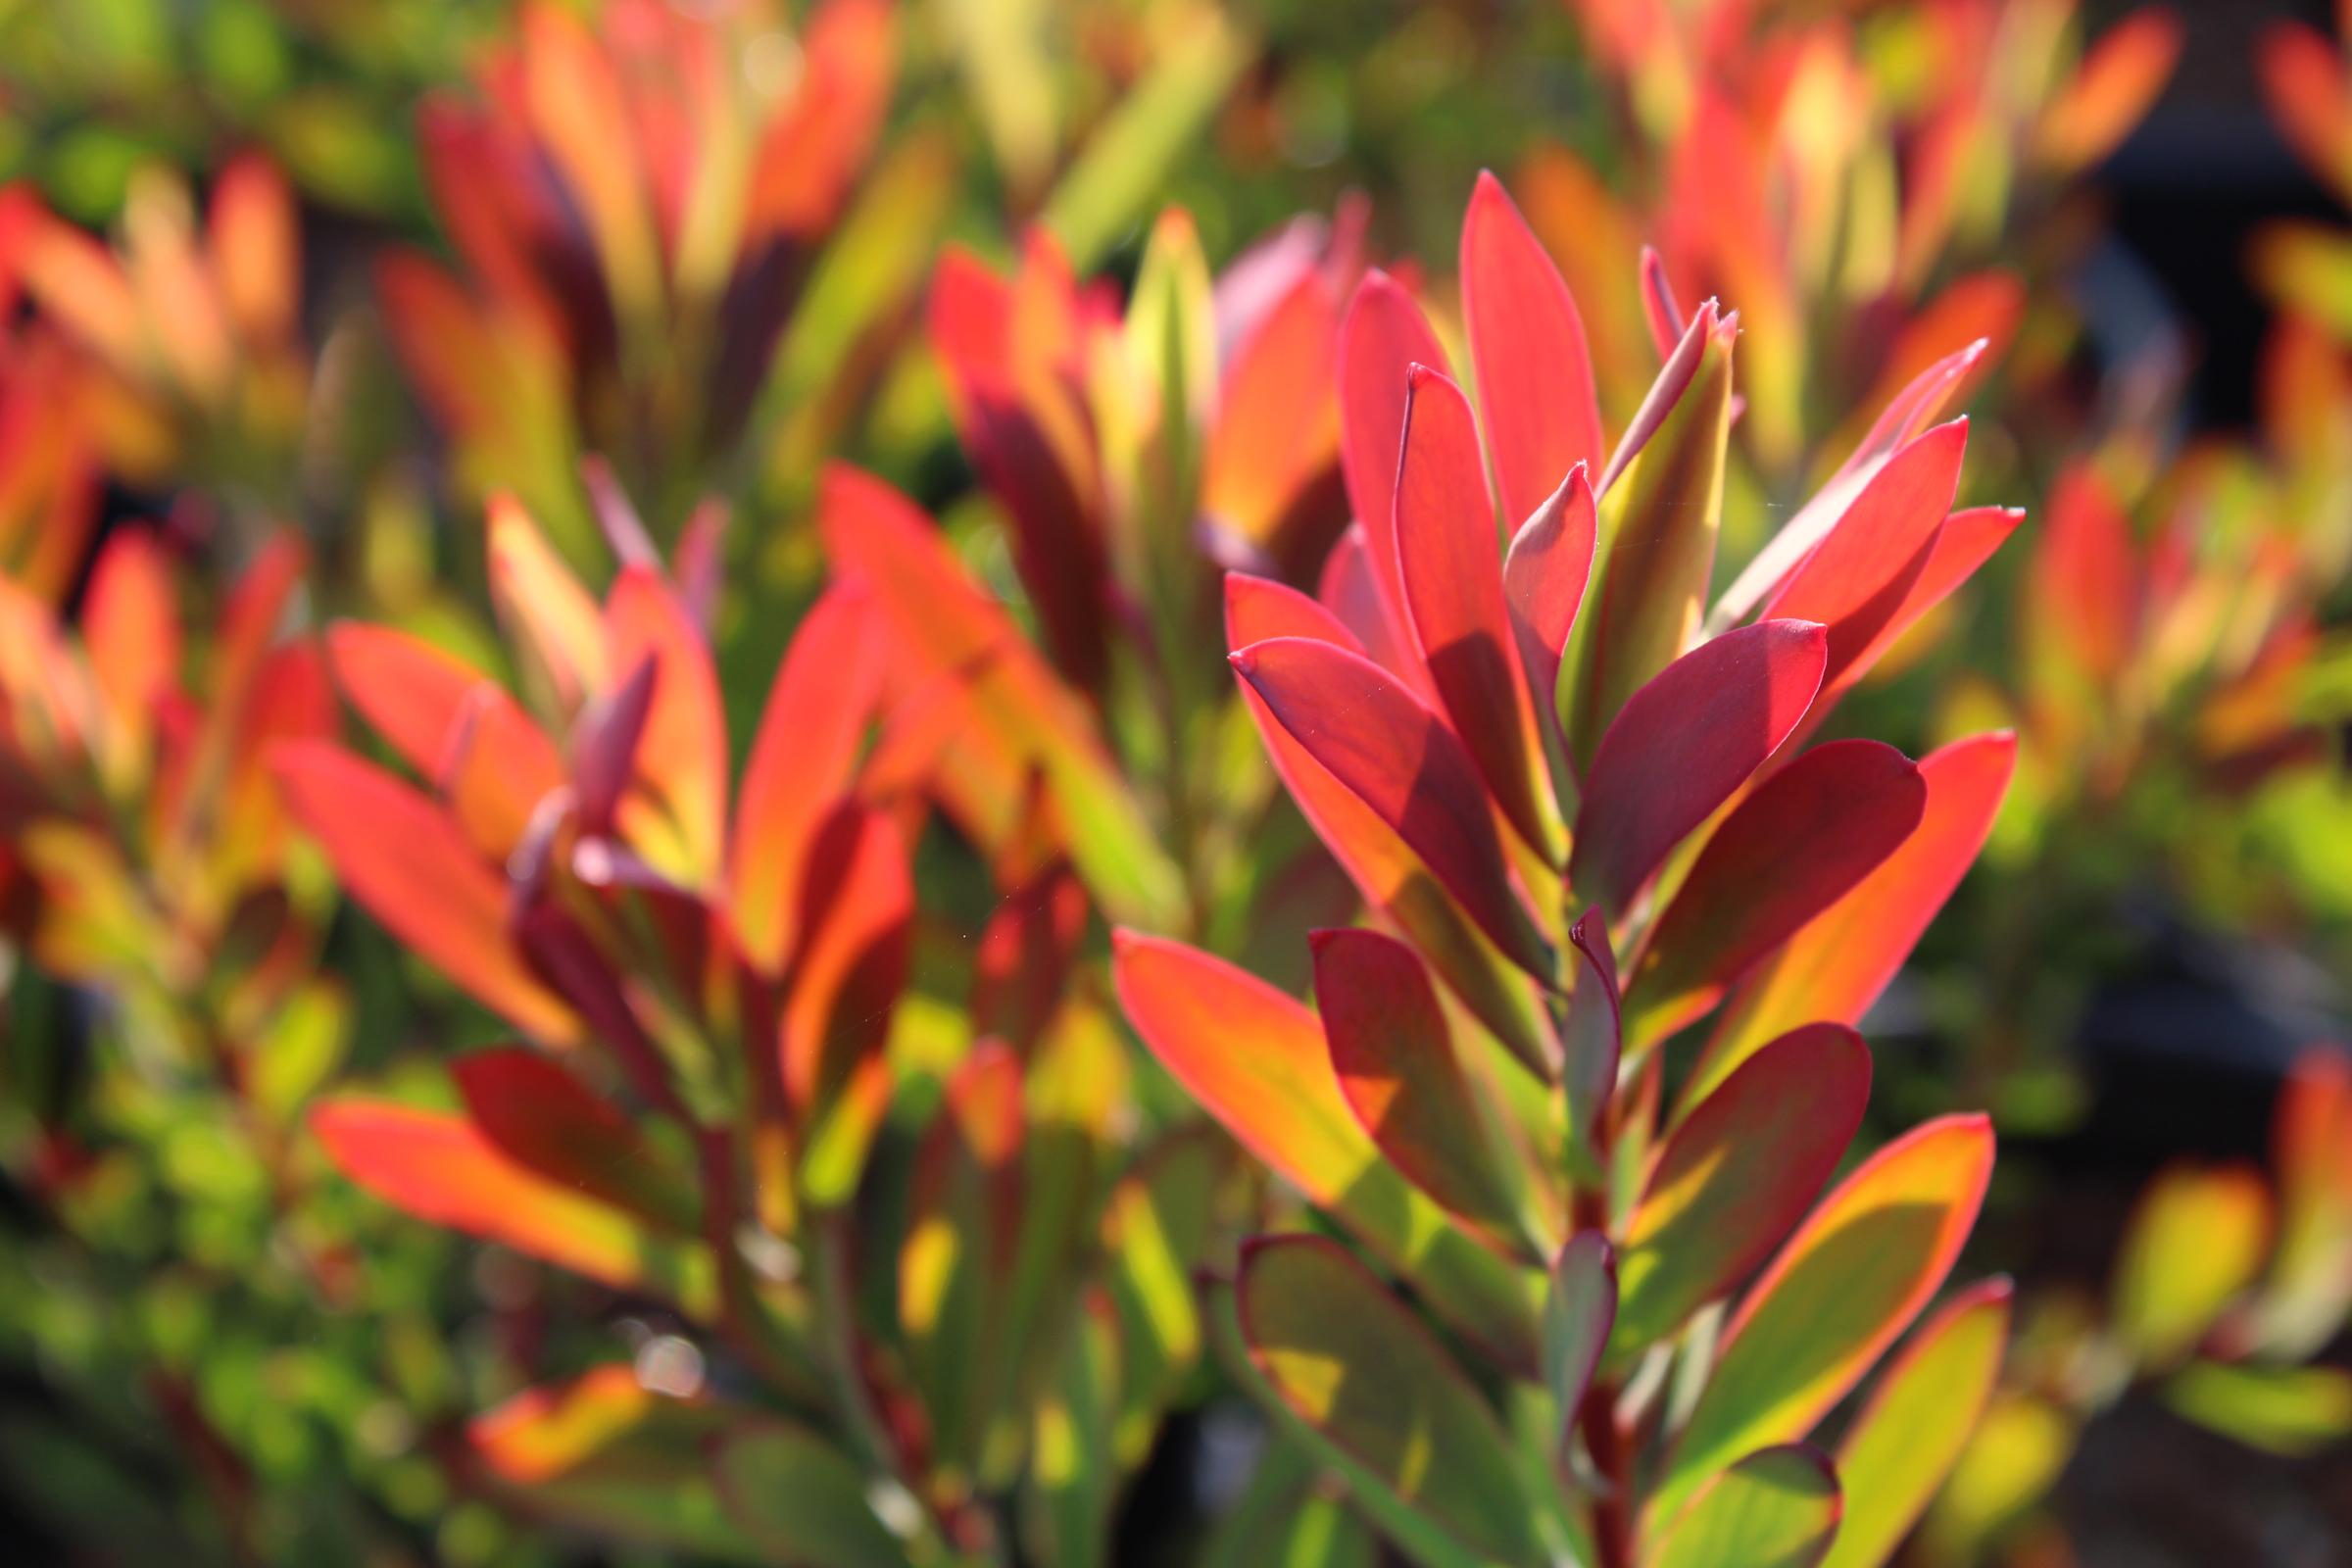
(1581,799)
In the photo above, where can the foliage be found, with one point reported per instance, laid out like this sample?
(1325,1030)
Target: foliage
(849,783)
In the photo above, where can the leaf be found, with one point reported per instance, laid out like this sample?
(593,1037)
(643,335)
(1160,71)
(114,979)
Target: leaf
(544,606)
(2113,89)
(1068,1491)
(1844,1288)
(2197,1239)
(1128,154)
(856,937)
(604,1453)
(1776,1508)
(130,630)
(2308,1288)
(1592,1039)
(799,1497)
(1380,739)
(1392,878)
(1544,578)
(1527,344)
(1965,542)
(946,630)
(1453,590)
(1834,968)
(1857,581)
(1795,846)
(2084,597)
(1394,1058)
(1350,588)
(1257,1062)
(1903,418)
(1905,1440)
(1356,1367)
(802,759)
(1157,1225)
(1682,745)
(532,1112)
(606,735)
(683,755)
(1580,1309)
(1383,335)
(1737,1175)
(2292,1411)
(442,1170)
(1658,546)
(1011,351)
(954,1268)
(2020,1446)
(1276,433)
(2304,86)
(404,861)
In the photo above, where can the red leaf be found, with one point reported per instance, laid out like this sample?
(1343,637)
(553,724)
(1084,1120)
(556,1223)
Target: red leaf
(802,759)
(1544,578)
(1527,342)
(1350,589)
(857,906)
(683,755)
(1453,589)
(1902,419)
(1377,738)
(1384,335)
(1835,967)
(2086,587)
(1860,576)
(1394,1057)
(1392,878)
(536,1113)
(1257,1062)
(443,1171)
(1738,1174)
(419,698)
(404,860)
(1683,743)
(1965,542)
(1794,846)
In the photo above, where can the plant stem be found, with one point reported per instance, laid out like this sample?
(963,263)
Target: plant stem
(1612,1512)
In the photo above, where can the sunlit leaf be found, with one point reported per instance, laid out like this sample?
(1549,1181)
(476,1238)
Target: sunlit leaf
(1844,1288)
(1905,1440)
(1776,1508)
(1354,1365)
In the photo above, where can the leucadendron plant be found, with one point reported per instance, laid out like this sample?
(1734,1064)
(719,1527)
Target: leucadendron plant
(1569,1102)
(202,1366)
(919,1270)
(1128,451)
(636,200)
(1875,187)
(174,358)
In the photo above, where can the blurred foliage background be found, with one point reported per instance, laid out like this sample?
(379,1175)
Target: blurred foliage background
(210,1346)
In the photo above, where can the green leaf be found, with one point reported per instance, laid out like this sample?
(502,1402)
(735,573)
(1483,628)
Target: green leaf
(1847,1284)
(1775,1508)
(801,1499)
(1129,157)
(2290,1411)
(602,1453)
(2196,1240)
(1657,544)
(1735,1176)
(1580,1305)
(1357,1368)
(1908,1437)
